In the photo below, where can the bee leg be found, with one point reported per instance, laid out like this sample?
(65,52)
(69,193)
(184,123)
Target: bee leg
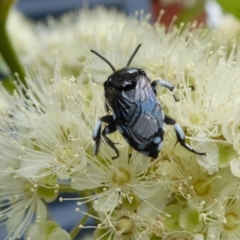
(97,130)
(165,84)
(180,135)
(107,130)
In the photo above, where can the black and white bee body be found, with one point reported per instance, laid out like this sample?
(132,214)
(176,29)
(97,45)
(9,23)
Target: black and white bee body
(136,111)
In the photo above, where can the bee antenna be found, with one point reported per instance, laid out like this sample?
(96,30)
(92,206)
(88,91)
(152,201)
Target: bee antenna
(133,55)
(104,59)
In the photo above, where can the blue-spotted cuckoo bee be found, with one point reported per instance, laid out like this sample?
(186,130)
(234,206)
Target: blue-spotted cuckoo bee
(136,111)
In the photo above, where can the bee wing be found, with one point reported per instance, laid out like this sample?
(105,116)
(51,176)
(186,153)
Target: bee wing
(143,115)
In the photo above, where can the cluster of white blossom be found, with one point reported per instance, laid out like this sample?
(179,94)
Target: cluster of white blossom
(46,135)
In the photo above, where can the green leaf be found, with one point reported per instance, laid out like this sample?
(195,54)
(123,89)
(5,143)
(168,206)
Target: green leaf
(5,6)
(9,55)
(6,48)
(231,6)
(191,13)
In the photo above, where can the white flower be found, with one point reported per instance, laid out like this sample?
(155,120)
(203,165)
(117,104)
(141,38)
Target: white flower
(78,30)
(134,219)
(20,202)
(194,184)
(46,230)
(204,109)
(230,128)
(72,37)
(224,220)
(235,166)
(22,33)
(116,179)
(47,132)
(184,236)
(42,138)
(47,137)
(4,104)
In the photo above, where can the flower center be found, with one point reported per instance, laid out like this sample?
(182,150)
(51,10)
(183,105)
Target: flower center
(124,226)
(196,118)
(232,221)
(201,188)
(121,176)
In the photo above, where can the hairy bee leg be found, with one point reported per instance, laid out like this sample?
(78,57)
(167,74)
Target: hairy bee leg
(97,130)
(180,135)
(165,84)
(107,130)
